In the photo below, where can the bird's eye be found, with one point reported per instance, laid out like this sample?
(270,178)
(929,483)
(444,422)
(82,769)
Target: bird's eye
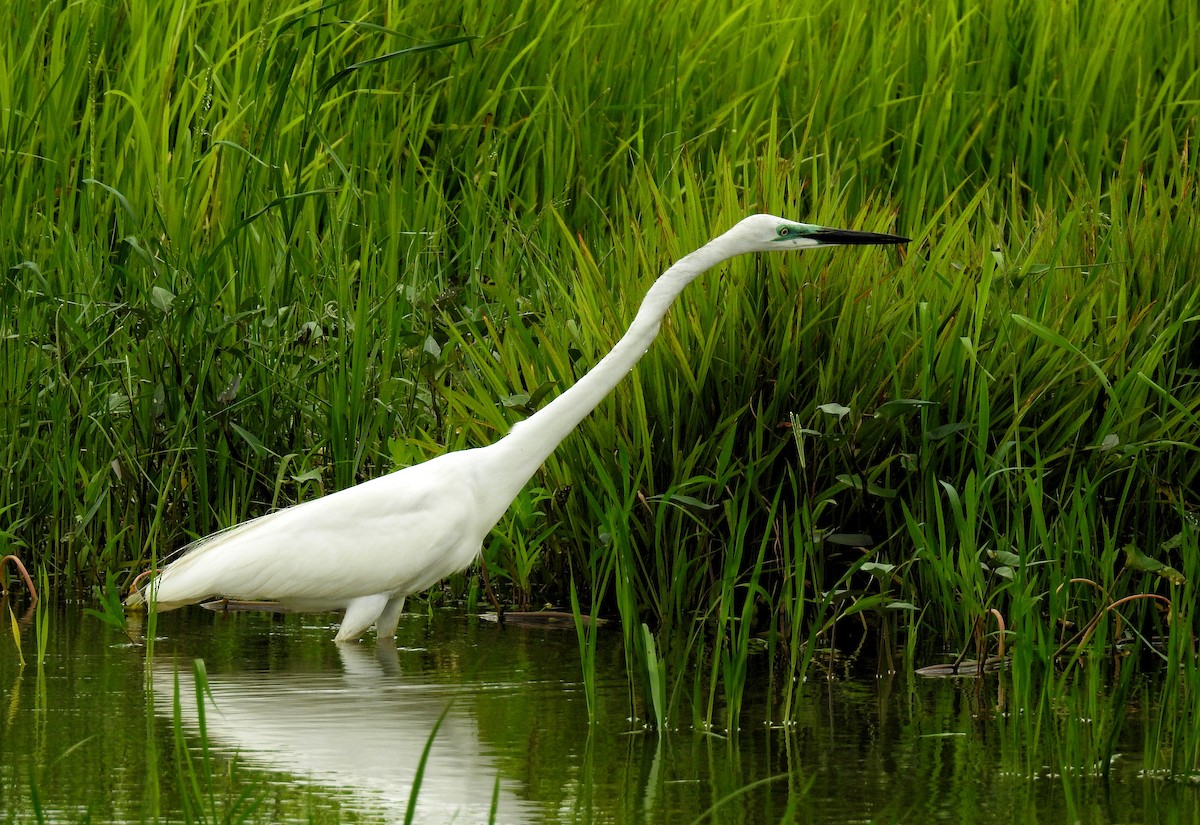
(783,230)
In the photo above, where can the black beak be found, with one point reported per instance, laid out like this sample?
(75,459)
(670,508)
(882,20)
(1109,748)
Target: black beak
(847,237)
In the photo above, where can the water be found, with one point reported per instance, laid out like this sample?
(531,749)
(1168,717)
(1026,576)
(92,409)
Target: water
(317,732)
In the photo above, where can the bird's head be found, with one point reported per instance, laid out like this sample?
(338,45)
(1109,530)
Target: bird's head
(766,233)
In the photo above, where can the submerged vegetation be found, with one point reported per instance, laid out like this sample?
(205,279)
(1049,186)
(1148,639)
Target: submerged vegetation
(253,254)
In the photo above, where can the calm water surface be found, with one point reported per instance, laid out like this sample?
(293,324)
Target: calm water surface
(320,732)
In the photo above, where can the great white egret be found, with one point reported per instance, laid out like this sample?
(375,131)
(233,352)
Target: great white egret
(365,548)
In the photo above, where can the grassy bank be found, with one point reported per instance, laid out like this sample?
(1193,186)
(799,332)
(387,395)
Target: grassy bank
(253,254)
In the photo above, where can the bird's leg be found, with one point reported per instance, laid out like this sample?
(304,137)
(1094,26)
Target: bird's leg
(487,588)
(385,625)
(361,613)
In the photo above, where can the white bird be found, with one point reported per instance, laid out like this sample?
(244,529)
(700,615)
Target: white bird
(365,548)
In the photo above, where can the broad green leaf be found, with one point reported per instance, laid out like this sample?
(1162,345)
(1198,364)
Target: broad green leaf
(118,403)
(833,408)
(855,482)
(690,501)
(938,433)
(1004,557)
(162,298)
(251,439)
(1137,560)
(850,539)
(902,406)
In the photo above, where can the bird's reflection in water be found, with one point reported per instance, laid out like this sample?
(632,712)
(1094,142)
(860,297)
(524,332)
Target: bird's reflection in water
(362,729)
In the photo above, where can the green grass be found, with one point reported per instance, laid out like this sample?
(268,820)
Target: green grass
(258,252)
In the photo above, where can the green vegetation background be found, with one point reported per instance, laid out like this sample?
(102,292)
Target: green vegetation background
(254,252)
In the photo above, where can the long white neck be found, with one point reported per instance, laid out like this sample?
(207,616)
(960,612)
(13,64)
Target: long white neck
(520,453)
